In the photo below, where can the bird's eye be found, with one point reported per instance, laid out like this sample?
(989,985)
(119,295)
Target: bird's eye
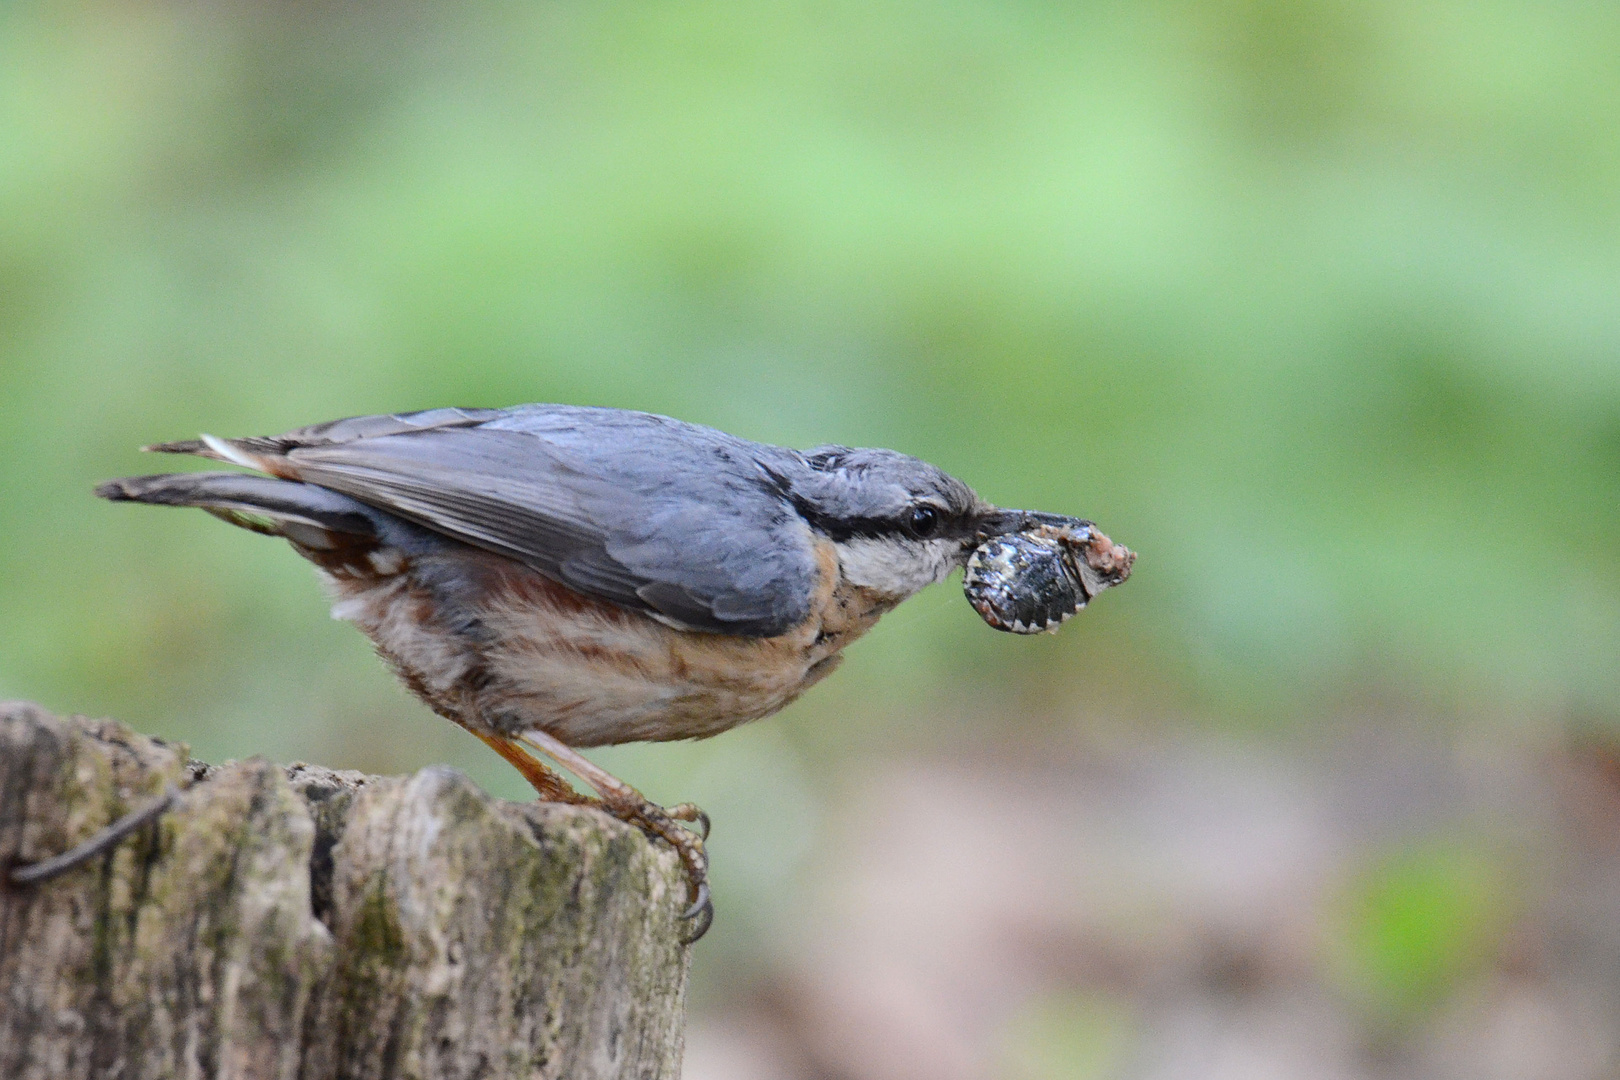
(922,521)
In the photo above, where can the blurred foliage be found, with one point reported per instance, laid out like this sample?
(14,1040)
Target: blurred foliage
(1417,922)
(1316,303)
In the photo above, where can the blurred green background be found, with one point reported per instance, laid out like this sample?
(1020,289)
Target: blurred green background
(1315,304)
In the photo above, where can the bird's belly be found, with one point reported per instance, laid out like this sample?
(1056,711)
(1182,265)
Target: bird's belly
(592,673)
(518,650)
(611,684)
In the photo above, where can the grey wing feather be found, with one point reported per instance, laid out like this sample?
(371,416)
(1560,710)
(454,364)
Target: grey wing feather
(337,431)
(647,512)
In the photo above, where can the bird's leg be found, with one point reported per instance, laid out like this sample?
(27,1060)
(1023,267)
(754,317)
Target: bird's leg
(549,786)
(628,804)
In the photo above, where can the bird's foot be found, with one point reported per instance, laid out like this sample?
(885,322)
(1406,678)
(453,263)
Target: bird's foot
(635,808)
(629,805)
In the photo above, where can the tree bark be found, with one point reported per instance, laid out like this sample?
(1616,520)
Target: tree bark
(303,924)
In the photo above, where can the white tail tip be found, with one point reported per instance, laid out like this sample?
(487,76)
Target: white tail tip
(229,452)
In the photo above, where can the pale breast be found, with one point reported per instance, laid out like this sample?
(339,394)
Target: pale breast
(498,644)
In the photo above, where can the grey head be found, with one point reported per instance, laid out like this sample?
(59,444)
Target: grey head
(899,523)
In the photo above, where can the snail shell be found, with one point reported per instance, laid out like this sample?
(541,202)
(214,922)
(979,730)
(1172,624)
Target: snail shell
(1024,583)
(1034,581)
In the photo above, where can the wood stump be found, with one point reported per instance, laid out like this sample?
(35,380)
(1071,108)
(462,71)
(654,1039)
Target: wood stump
(303,924)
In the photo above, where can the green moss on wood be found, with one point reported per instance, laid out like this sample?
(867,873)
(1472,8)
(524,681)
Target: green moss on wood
(306,923)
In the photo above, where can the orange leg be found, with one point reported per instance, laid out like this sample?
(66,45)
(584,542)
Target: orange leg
(627,804)
(618,798)
(551,787)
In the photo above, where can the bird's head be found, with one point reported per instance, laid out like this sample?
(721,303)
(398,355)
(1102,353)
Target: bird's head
(899,523)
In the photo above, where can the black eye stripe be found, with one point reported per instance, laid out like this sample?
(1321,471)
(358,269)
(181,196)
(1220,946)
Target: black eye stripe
(946,524)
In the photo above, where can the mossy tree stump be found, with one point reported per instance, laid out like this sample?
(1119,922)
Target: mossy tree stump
(304,924)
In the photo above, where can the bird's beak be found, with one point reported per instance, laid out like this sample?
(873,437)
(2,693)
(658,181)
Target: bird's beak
(999,522)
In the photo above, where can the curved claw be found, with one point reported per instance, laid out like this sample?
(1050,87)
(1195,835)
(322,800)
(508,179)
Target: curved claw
(700,903)
(691,812)
(629,805)
(706,911)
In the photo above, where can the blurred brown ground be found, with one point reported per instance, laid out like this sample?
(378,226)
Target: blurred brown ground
(1176,909)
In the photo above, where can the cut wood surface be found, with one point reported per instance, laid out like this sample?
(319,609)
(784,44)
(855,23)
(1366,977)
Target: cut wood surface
(303,924)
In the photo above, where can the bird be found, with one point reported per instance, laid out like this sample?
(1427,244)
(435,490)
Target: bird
(558,577)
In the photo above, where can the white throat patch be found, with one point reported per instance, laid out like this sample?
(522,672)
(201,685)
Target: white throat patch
(897,567)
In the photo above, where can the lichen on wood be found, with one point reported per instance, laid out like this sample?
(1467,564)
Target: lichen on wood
(307,924)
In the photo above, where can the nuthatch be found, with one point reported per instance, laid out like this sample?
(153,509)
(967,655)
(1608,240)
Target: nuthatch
(566,577)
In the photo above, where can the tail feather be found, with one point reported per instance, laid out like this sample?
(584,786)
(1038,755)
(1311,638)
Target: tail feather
(182,446)
(333,431)
(254,452)
(306,514)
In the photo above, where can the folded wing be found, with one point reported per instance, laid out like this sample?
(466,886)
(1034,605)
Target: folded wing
(682,521)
